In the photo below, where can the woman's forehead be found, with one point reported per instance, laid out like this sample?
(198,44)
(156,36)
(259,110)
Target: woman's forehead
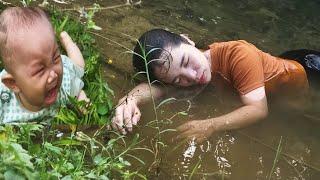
(167,71)
(169,63)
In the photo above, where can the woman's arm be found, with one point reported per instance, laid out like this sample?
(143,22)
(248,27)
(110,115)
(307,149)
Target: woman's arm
(255,108)
(127,112)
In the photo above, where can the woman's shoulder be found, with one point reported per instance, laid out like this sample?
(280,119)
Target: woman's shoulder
(230,43)
(232,46)
(232,49)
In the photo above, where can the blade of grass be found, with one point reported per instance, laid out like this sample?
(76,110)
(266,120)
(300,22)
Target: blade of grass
(165,101)
(276,159)
(194,170)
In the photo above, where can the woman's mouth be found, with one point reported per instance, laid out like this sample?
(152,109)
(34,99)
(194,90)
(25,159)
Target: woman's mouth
(202,79)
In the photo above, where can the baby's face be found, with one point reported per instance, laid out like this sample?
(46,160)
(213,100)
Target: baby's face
(36,65)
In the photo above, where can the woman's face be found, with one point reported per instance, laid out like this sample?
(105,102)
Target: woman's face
(189,66)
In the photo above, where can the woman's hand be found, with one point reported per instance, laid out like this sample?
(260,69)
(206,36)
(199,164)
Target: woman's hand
(199,130)
(127,114)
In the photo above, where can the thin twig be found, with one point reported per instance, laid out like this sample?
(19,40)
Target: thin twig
(99,35)
(105,8)
(95,8)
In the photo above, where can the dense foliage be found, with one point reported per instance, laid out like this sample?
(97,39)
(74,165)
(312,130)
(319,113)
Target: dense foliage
(41,151)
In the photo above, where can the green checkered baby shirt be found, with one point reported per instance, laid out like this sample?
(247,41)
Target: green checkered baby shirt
(11,110)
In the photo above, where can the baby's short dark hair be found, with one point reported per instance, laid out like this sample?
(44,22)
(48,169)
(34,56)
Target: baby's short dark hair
(14,19)
(153,43)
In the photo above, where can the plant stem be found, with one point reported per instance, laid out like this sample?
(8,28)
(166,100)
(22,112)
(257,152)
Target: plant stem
(275,161)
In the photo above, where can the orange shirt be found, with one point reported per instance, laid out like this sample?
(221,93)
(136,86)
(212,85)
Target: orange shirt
(245,68)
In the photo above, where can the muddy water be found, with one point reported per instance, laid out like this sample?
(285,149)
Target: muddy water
(274,26)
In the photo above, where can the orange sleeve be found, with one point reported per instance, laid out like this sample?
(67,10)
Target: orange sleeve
(246,69)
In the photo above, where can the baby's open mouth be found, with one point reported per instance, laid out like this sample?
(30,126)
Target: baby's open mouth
(51,96)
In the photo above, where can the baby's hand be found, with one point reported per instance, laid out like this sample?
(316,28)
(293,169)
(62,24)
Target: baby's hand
(82,96)
(72,49)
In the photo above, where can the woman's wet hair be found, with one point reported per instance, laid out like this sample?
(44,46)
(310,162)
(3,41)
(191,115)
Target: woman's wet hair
(154,43)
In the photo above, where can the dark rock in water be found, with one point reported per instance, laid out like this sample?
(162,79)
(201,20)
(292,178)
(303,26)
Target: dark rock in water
(313,61)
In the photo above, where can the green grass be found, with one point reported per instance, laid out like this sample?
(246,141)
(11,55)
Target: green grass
(99,110)
(276,158)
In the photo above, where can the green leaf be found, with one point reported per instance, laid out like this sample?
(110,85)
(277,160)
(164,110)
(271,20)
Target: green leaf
(166,101)
(103,177)
(12,175)
(97,159)
(68,177)
(102,109)
(52,148)
(21,154)
(91,175)
(69,166)
(64,142)
(63,24)
(109,104)
(167,130)
(127,163)
(183,113)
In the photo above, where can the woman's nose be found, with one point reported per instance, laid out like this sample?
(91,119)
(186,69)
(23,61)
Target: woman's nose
(190,74)
(52,76)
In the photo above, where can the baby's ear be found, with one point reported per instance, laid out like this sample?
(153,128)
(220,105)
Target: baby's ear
(10,82)
(184,36)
